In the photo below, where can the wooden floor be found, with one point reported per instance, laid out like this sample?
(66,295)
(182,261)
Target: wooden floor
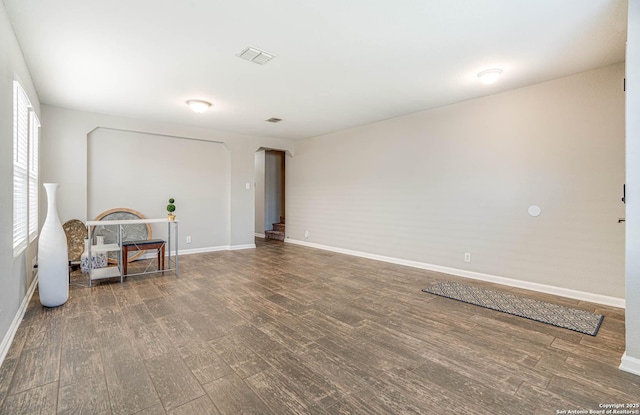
(287,329)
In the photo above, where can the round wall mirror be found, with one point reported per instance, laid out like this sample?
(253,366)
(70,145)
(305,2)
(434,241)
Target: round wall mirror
(130,232)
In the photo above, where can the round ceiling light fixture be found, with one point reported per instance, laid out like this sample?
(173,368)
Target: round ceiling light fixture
(198,105)
(489,76)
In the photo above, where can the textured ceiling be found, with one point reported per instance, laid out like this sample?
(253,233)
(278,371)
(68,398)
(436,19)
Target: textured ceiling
(338,63)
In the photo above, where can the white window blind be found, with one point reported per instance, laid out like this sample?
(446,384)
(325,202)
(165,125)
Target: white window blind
(34,126)
(21,111)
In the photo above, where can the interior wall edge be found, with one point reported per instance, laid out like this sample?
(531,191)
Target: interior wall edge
(214,249)
(241,246)
(630,364)
(527,285)
(15,324)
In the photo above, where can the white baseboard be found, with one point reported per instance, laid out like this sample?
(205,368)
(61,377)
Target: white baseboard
(13,328)
(153,255)
(548,289)
(259,235)
(203,250)
(630,364)
(238,247)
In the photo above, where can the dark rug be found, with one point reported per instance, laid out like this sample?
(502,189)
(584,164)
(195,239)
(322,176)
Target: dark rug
(557,315)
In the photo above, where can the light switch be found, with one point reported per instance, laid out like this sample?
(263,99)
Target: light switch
(247,186)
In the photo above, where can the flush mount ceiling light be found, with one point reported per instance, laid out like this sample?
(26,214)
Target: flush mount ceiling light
(489,76)
(198,105)
(256,55)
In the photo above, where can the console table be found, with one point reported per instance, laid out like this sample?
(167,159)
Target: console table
(120,269)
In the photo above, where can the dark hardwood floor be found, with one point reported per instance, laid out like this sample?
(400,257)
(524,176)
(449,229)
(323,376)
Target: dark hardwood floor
(287,329)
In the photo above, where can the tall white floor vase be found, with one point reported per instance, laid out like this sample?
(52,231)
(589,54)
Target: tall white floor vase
(53,260)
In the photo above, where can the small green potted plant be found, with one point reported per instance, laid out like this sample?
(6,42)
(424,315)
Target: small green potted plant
(171,208)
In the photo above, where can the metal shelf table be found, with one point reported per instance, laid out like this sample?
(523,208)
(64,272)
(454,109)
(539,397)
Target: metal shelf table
(117,271)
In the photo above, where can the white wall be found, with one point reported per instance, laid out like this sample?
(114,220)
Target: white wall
(65,137)
(430,186)
(16,275)
(142,171)
(631,358)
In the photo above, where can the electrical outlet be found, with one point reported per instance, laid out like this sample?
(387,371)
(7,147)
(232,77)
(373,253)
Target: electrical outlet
(467,257)
(306,234)
(188,239)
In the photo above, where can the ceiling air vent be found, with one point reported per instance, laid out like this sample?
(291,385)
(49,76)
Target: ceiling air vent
(256,55)
(274,120)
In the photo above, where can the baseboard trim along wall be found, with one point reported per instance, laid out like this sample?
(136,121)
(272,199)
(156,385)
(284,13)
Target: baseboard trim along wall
(215,249)
(203,250)
(8,338)
(259,235)
(630,364)
(238,247)
(548,289)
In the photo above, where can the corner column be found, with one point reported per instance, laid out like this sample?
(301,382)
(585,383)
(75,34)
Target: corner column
(631,358)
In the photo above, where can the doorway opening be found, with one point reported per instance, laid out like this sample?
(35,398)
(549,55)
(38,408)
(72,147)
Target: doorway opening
(270,194)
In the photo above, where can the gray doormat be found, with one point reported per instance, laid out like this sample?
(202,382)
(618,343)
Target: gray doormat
(557,315)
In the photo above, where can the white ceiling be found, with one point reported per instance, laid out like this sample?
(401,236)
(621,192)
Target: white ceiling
(339,63)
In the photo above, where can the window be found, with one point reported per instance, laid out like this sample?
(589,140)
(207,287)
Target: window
(34,125)
(25,170)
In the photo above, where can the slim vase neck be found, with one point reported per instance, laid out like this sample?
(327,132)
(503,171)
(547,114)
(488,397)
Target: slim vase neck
(51,189)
